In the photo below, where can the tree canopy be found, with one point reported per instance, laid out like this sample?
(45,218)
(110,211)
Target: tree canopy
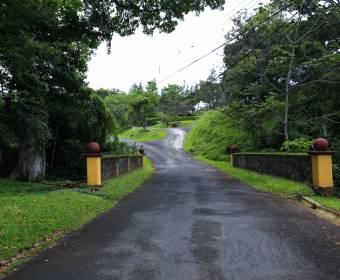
(44,49)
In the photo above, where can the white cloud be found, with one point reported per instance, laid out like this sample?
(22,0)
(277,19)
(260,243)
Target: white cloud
(140,58)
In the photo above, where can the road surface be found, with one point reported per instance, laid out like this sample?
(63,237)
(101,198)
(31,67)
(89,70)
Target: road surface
(191,221)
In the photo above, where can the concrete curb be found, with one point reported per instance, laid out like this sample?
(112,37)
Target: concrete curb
(320,210)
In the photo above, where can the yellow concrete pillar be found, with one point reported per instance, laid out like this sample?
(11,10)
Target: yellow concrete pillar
(322,171)
(94,165)
(94,174)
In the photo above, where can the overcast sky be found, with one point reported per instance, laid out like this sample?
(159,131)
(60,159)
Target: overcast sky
(141,58)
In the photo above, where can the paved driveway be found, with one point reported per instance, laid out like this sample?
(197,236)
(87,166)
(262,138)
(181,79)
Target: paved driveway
(190,221)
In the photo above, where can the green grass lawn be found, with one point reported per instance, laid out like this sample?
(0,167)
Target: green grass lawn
(140,135)
(32,216)
(188,123)
(185,123)
(329,202)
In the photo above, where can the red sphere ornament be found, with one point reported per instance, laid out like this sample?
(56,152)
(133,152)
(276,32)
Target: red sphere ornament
(320,144)
(93,148)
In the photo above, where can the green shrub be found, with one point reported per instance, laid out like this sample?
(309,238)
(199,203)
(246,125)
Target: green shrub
(120,148)
(299,145)
(212,135)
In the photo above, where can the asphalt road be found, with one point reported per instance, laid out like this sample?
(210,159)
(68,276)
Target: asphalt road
(190,221)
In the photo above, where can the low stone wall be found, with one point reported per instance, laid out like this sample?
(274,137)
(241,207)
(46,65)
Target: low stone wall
(113,166)
(297,167)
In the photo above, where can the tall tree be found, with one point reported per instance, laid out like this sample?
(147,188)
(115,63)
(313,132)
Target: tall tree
(285,62)
(44,49)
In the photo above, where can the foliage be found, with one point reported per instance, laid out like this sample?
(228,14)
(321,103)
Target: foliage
(213,133)
(120,148)
(119,106)
(23,207)
(83,122)
(142,106)
(281,78)
(253,88)
(44,50)
(174,102)
(298,145)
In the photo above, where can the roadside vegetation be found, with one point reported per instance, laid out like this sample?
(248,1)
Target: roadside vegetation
(279,90)
(213,133)
(278,96)
(35,215)
(200,141)
(48,113)
(330,202)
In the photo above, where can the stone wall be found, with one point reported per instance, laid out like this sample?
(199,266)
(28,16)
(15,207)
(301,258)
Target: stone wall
(113,166)
(297,167)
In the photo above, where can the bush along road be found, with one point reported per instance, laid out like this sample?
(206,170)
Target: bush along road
(192,221)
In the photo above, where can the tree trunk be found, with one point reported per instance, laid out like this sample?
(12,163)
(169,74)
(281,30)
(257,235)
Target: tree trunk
(31,164)
(55,144)
(289,74)
(324,128)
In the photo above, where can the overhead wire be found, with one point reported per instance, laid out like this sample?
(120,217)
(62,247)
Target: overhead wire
(228,41)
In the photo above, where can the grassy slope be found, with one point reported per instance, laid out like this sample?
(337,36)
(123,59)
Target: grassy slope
(139,135)
(32,214)
(259,181)
(213,133)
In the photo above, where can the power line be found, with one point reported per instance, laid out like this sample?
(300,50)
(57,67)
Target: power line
(316,118)
(228,41)
(263,41)
(232,13)
(255,48)
(260,43)
(310,61)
